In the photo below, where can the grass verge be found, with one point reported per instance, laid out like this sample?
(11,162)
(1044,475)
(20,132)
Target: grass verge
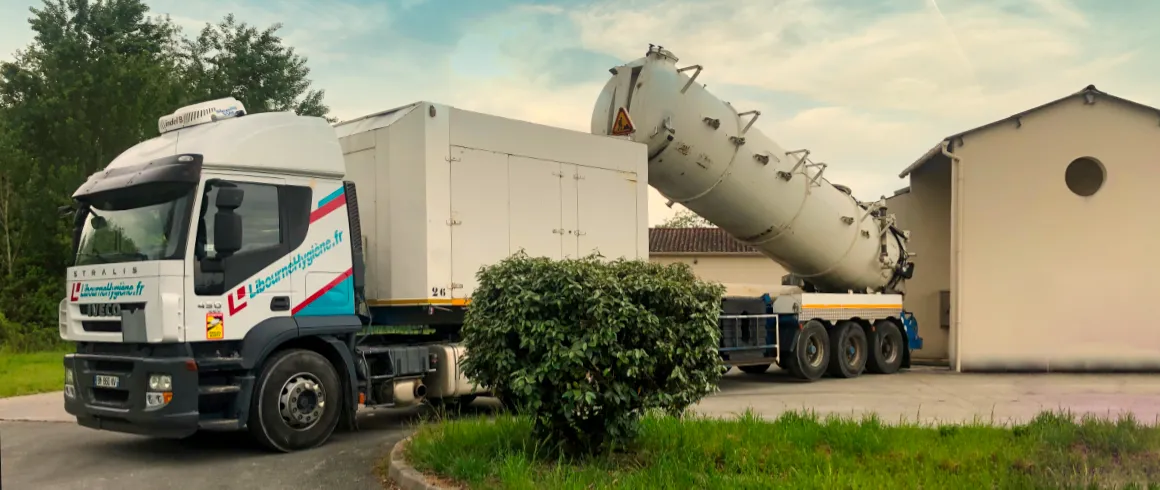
(800,451)
(29,373)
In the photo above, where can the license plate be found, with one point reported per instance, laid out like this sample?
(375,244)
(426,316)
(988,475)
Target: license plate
(103,381)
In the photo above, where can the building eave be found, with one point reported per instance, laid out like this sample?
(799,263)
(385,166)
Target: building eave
(1091,92)
(929,155)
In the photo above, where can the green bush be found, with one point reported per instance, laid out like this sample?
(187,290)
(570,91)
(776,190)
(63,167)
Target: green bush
(587,346)
(16,337)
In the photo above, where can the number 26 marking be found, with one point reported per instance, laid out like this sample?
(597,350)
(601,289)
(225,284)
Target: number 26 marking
(438,292)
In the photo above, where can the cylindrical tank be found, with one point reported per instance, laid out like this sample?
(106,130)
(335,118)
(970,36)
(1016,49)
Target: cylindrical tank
(708,157)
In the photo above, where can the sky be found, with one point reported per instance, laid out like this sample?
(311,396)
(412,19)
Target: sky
(866,85)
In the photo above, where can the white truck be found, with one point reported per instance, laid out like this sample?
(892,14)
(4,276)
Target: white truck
(272,273)
(840,310)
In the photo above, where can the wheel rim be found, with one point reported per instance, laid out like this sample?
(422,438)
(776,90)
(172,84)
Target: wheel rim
(888,349)
(815,351)
(302,401)
(852,351)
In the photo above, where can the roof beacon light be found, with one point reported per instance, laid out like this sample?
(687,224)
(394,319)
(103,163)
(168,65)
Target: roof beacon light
(205,112)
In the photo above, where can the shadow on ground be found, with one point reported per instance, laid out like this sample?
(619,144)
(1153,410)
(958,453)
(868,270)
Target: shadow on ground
(53,455)
(208,447)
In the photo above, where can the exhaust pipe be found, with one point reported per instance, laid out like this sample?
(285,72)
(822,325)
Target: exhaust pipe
(409,392)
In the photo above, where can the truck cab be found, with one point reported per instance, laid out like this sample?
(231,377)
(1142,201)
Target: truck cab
(197,254)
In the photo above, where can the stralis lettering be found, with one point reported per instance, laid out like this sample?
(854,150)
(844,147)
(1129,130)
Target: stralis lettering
(110,290)
(298,262)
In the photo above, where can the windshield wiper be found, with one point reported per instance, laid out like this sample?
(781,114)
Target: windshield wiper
(101,258)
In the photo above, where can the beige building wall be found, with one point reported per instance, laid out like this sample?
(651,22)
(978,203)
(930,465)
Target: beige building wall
(1024,302)
(728,268)
(925,212)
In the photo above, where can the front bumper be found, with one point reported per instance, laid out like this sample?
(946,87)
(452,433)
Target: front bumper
(123,408)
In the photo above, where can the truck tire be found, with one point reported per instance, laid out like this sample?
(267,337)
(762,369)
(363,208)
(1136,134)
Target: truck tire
(848,350)
(811,354)
(885,348)
(754,369)
(297,401)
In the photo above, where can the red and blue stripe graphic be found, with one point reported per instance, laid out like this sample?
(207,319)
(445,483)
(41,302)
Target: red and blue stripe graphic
(337,296)
(326,205)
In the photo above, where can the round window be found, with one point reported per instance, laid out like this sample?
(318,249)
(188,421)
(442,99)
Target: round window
(1084,176)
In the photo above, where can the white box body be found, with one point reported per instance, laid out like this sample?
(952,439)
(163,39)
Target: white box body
(444,191)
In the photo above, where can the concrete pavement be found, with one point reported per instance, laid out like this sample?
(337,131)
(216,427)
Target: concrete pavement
(932,395)
(55,455)
(45,407)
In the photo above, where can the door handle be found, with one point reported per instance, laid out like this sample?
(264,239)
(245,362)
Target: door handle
(280,303)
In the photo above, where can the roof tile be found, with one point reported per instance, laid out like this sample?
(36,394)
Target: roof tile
(695,240)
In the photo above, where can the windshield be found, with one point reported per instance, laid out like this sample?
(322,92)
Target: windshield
(136,228)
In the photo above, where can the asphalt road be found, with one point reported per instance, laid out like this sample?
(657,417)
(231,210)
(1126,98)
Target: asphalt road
(56,455)
(62,455)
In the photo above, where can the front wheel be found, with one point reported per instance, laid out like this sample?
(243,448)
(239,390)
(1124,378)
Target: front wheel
(297,401)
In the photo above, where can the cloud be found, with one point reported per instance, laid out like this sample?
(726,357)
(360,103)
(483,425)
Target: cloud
(866,86)
(962,61)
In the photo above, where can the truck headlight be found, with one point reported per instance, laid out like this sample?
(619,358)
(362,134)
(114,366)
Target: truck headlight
(160,382)
(70,390)
(155,400)
(160,391)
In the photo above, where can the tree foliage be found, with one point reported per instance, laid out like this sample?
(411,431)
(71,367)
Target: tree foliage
(686,219)
(587,346)
(237,59)
(92,83)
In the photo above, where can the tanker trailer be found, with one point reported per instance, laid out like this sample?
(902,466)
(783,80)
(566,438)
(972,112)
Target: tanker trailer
(839,311)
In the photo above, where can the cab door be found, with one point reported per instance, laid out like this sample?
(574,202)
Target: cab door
(228,296)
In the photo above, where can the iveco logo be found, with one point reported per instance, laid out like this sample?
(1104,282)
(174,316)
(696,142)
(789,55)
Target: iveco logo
(112,310)
(104,272)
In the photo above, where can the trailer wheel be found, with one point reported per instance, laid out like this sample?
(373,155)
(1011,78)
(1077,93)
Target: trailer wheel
(848,348)
(886,348)
(297,401)
(755,369)
(811,354)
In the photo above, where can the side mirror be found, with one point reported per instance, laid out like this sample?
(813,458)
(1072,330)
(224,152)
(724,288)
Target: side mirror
(227,225)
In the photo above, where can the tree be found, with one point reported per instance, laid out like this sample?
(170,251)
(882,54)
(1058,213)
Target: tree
(92,83)
(686,219)
(236,59)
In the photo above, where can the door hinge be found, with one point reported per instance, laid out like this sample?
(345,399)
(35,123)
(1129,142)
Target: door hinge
(558,174)
(577,176)
(452,159)
(453,222)
(456,285)
(558,231)
(580,233)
